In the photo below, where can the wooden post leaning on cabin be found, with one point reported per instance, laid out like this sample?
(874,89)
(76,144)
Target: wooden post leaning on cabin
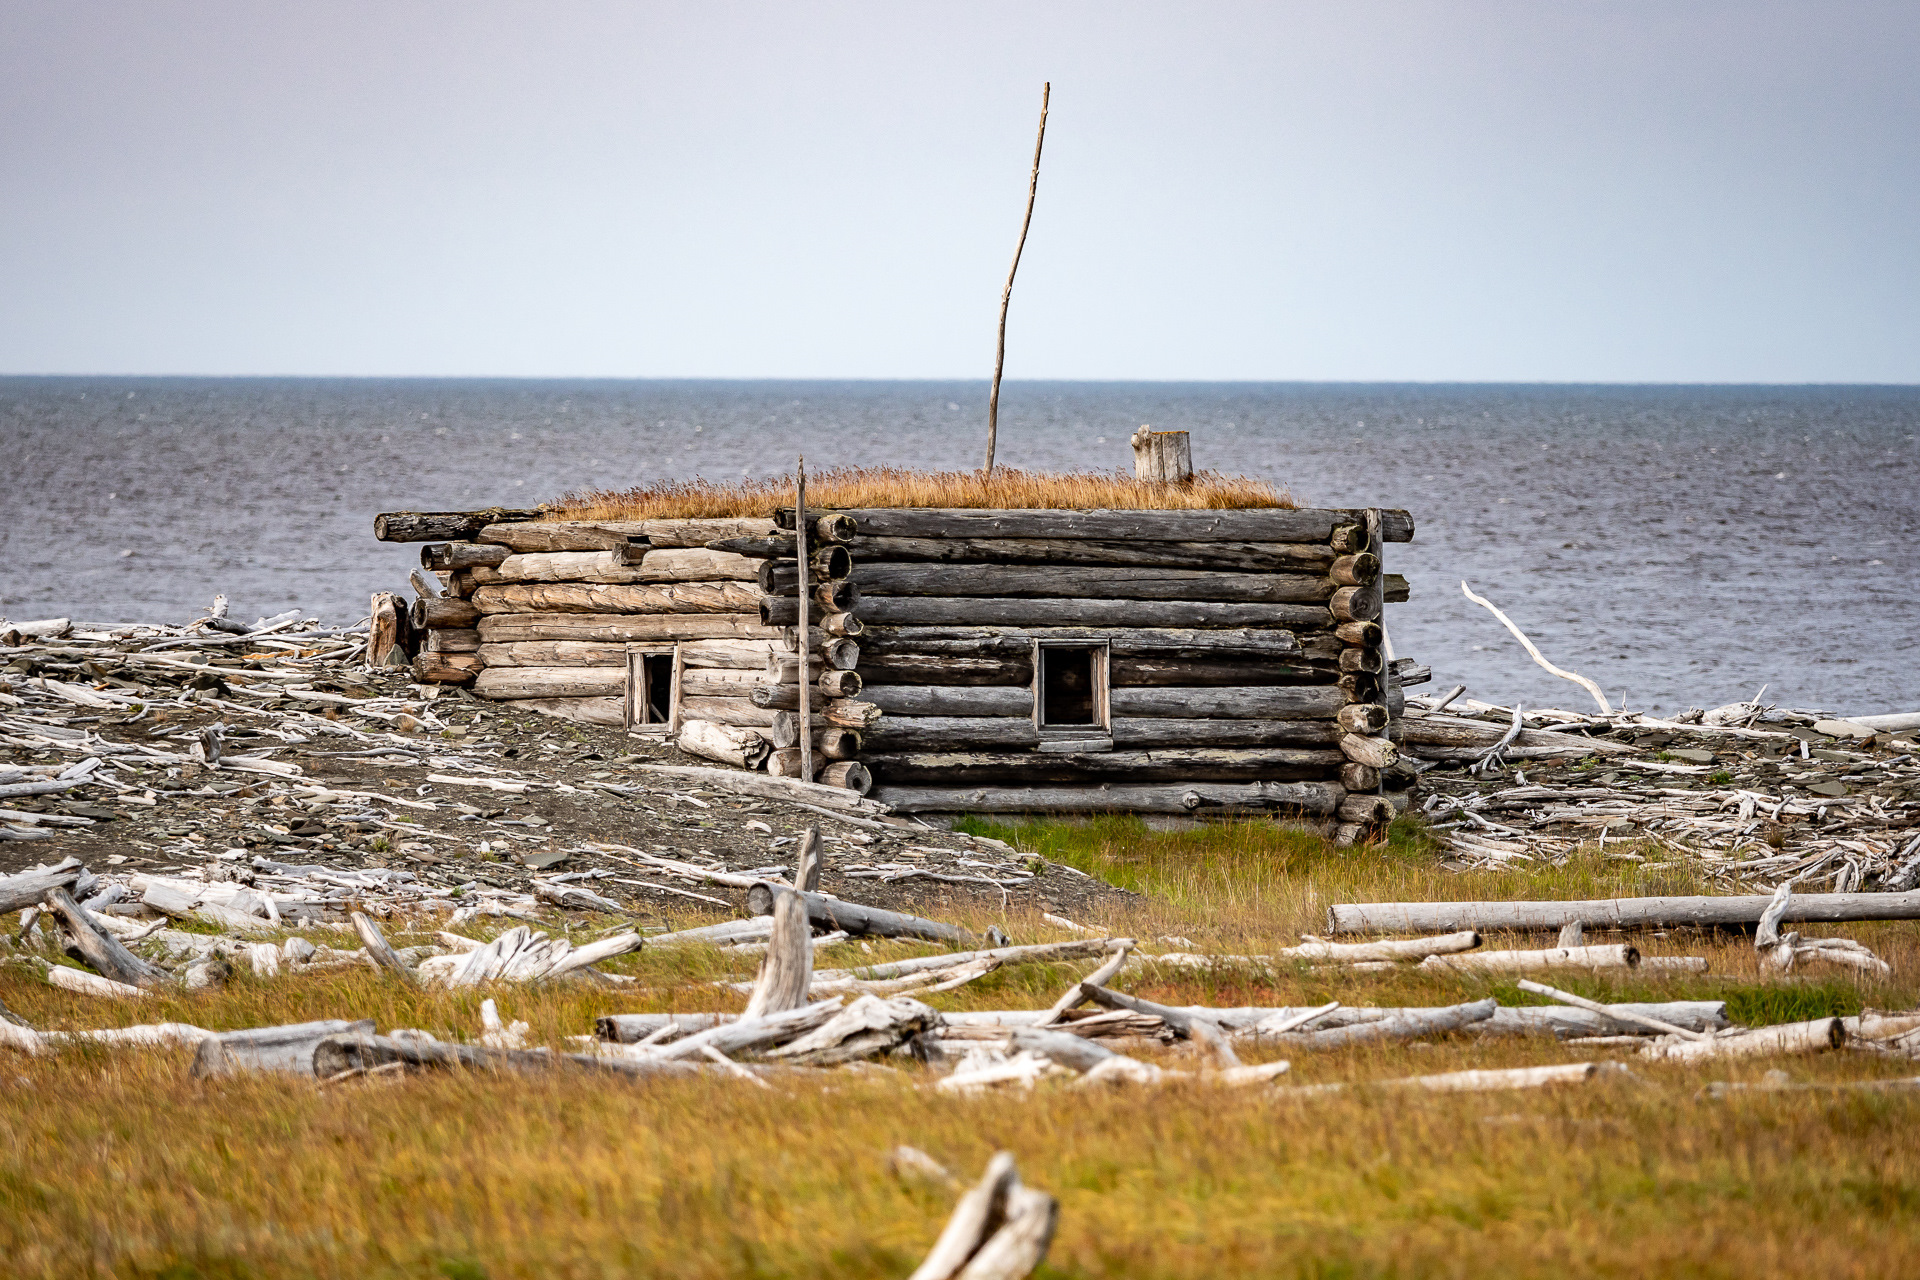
(1162,457)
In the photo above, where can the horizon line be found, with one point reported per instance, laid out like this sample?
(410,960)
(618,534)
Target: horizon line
(982,381)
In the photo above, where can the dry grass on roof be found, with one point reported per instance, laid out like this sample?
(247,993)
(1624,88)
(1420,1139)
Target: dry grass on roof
(855,487)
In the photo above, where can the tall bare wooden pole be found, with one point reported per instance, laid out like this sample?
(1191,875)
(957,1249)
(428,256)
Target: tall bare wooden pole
(1006,294)
(806,643)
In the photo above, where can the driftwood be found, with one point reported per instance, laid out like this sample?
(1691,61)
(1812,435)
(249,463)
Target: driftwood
(1784,952)
(287,1049)
(1614,913)
(832,913)
(1594,1006)
(30,888)
(1609,956)
(787,971)
(1790,1037)
(728,744)
(376,945)
(1000,1230)
(1312,948)
(551,682)
(1406,1025)
(101,949)
(1082,991)
(1483,1081)
(751,1033)
(870,1025)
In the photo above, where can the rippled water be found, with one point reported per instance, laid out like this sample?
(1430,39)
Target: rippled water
(1681,545)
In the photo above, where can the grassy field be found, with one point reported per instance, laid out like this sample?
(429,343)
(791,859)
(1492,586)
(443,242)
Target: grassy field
(117,1164)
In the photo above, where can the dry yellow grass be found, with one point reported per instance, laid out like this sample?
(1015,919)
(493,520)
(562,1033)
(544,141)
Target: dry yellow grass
(856,487)
(117,1164)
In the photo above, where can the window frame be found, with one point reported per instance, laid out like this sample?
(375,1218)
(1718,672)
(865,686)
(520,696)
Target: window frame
(1102,726)
(638,703)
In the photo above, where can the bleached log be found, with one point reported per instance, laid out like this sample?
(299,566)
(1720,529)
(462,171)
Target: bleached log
(1407,1024)
(786,972)
(858,920)
(752,1033)
(376,944)
(1614,913)
(971,1222)
(869,1026)
(1791,1037)
(102,950)
(1312,948)
(698,533)
(1376,753)
(91,984)
(728,744)
(553,653)
(1488,1081)
(287,1049)
(30,888)
(1618,955)
(1593,1006)
(1082,991)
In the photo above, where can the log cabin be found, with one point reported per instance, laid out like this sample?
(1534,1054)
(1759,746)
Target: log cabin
(1190,661)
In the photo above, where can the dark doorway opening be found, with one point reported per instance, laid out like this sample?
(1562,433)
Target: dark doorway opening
(1069,694)
(656,682)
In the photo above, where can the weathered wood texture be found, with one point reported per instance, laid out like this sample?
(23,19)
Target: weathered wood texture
(440,526)
(615,567)
(510,628)
(742,748)
(442,612)
(552,682)
(1266,524)
(453,640)
(698,533)
(1255,557)
(1173,764)
(451,556)
(1261,702)
(1197,798)
(860,921)
(923,611)
(923,668)
(546,536)
(665,598)
(1087,582)
(1127,671)
(1616,913)
(445,668)
(899,733)
(1017,642)
(553,653)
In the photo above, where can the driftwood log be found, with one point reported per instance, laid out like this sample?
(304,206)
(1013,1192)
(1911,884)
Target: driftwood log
(1191,798)
(441,526)
(860,921)
(1614,913)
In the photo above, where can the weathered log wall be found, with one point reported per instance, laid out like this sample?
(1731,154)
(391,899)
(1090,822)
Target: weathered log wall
(1239,654)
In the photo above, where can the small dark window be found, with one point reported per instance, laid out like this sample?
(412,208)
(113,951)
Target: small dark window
(1069,688)
(657,680)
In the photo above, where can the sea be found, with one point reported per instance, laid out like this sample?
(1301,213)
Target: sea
(1684,546)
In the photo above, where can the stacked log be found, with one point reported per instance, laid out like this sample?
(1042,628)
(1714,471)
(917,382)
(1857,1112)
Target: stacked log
(768,701)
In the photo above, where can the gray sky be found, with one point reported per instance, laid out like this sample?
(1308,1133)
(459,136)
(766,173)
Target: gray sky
(1447,191)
